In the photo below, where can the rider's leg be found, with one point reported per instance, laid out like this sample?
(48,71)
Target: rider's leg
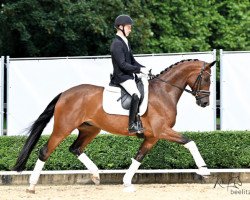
(133,111)
(131,88)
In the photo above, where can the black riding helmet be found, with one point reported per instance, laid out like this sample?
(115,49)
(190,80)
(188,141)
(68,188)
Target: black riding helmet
(123,20)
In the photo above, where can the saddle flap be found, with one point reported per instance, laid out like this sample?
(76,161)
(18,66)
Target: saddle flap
(110,104)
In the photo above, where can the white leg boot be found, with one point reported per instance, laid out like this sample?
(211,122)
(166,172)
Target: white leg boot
(35,176)
(202,169)
(127,179)
(91,167)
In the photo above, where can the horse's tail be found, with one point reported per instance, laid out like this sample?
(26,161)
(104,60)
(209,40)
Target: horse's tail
(35,131)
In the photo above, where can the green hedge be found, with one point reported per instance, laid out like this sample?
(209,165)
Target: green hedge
(219,150)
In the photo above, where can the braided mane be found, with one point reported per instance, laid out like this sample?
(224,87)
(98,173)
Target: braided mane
(173,65)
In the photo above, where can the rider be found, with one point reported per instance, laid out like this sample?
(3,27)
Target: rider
(125,68)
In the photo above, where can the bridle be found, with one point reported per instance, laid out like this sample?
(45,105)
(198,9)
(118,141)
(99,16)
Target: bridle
(196,91)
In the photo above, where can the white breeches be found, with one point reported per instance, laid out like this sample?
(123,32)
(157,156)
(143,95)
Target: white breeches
(130,87)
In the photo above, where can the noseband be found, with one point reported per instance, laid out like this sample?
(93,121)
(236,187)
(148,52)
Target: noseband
(199,94)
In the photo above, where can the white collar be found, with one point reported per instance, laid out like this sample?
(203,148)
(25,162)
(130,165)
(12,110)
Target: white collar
(124,39)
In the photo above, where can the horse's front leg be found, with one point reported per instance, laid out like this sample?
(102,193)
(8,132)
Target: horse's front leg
(200,163)
(146,146)
(174,136)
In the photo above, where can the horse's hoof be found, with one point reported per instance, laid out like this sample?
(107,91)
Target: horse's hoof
(30,191)
(96,179)
(206,176)
(130,188)
(203,171)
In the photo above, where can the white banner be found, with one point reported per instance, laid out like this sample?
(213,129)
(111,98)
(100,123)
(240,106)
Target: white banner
(235,87)
(33,83)
(1,95)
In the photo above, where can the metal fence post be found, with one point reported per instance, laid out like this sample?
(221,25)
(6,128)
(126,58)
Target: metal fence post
(2,95)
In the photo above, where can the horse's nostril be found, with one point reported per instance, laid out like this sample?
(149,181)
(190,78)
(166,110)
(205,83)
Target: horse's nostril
(205,104)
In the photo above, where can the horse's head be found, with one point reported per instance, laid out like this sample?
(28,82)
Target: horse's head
(199,82)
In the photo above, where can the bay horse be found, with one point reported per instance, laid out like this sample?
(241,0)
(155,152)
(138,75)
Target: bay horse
(80,107)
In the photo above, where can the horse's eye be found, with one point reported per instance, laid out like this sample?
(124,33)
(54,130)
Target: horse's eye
(206,79)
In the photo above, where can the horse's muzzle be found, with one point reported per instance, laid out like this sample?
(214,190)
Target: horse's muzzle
(203,102)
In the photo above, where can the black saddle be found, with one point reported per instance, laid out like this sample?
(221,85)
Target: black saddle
(126,98)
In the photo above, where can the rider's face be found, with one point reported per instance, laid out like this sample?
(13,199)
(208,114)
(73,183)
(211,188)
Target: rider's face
(127,30)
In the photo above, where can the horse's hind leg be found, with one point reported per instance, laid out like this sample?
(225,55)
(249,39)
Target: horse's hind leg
(174,136)
(55,139)
(87,133)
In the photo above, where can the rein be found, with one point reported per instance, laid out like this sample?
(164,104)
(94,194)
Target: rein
(197,84)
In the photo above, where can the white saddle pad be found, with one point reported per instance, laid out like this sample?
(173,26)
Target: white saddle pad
(112,106)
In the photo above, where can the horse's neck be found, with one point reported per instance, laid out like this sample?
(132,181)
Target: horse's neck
(175,80)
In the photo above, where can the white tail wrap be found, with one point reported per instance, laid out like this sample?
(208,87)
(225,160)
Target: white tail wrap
(88,163)
(191,146)
(127,179)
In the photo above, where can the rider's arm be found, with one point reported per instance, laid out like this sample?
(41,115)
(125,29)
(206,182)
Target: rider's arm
(134,62)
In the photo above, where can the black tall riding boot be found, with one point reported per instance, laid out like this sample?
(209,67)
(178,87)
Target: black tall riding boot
(134,126)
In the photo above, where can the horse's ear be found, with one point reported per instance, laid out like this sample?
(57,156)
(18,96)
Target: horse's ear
(211,64)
